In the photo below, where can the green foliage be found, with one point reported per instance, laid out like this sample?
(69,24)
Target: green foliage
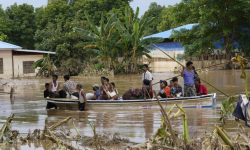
(97,8)
(227,108)
(98,66)
(21,24)
(194,41)
(218,22)
(72,66)
(45,65)
(132,42)
(155,11)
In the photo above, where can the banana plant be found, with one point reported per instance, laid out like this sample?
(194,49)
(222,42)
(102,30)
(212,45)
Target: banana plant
(100,39)
(45,65)
(132,36)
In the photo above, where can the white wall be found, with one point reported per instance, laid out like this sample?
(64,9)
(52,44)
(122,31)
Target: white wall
(18,64)
(160,54)
(7,63)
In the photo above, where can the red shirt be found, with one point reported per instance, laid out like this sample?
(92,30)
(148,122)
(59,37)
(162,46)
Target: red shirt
(201,89)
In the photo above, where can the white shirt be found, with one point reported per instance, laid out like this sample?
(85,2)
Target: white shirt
(147,75)
(54,88)
(81,99)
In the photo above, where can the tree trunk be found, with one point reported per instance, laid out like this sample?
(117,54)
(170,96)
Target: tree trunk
(202,61)
(229,66)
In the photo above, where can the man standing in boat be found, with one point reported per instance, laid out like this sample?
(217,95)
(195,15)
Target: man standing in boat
(70,87)
(147,82)
(54,86)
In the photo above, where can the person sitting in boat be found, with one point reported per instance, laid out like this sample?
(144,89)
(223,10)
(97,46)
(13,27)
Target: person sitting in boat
(188,76)
(165,92)
(176,90)
(108,91)
(70,87)
(54,86)
(116,91)
(82,104)
(200,88)
(46,94)
(171,84)
(98,92)
(147,82)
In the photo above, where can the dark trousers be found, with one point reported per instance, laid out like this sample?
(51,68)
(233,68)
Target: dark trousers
(76,94)
(50,105)
(81,106)
(163,95)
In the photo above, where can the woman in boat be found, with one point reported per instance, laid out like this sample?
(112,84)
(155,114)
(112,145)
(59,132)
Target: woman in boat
(165,92)
(108,91)
(188,76)
(176,90)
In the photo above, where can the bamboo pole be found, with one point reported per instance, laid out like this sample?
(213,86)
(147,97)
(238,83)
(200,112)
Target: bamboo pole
(224,137)
(5,125)
(196,70)
(58,124)
(191,71)
(167,121)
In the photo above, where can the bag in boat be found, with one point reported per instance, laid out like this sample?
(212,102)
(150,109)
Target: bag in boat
(242,110)
(111,94)
(89,96)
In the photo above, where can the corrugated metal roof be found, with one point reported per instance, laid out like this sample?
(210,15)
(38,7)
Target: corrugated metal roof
(171,46)
(166,34)
(4,45)
(34,51)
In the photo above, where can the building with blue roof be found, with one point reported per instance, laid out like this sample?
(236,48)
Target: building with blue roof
(174,49)
(15,61)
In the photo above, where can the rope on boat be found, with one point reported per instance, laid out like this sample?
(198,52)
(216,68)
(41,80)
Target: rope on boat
(191,71)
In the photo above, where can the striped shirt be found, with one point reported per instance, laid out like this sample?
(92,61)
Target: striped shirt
(70,87)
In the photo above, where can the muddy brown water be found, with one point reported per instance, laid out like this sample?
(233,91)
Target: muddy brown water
(28,106)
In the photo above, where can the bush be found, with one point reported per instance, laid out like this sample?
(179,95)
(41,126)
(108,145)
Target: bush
(98,66)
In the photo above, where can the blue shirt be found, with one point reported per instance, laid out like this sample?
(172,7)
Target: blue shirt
(188,77)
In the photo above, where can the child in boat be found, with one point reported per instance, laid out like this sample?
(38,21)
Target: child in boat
(82,104)
(176,90)
(165,92)
(46,94)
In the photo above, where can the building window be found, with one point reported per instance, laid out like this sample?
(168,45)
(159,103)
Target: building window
(27,67)
(1,65)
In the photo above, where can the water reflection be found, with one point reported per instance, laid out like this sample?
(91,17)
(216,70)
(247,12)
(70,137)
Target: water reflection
(137,125)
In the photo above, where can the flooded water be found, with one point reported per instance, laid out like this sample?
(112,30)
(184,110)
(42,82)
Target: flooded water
(28,106)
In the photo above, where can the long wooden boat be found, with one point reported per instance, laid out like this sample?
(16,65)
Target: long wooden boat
(204,101)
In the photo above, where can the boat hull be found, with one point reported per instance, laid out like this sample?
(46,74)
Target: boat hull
(205,101)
